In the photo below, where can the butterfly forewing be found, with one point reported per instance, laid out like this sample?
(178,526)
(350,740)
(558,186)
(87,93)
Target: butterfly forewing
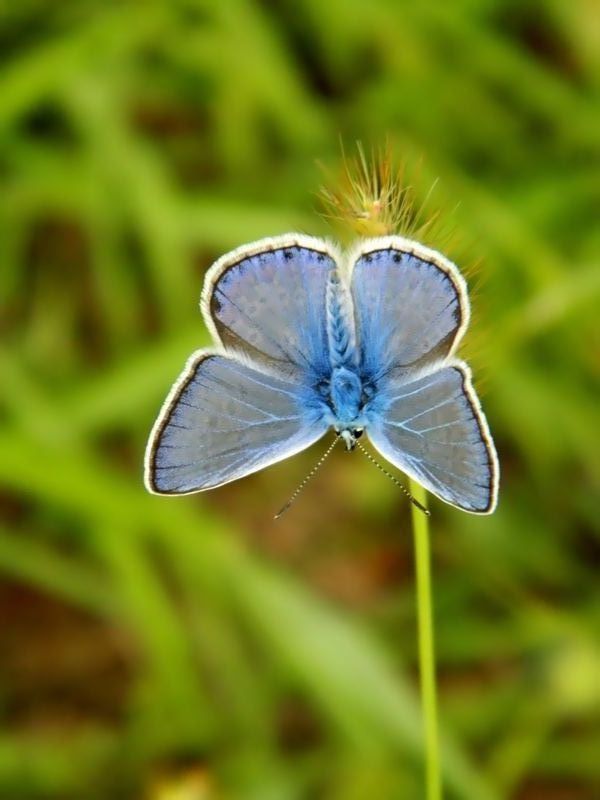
(223,420)
(433,429)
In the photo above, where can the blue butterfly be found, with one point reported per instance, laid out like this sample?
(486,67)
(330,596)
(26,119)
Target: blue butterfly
(310,339)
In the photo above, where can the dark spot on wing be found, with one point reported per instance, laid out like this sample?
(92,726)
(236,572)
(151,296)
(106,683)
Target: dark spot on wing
(397,258)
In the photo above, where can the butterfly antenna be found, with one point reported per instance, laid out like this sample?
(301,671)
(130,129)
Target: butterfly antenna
(308,477)
(393,479)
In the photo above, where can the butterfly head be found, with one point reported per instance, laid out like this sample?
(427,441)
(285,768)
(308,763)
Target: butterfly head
(350,436)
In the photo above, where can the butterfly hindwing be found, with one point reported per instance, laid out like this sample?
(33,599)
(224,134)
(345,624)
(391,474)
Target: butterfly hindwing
(433,429)
(411,305)
(223,420)
(267,300)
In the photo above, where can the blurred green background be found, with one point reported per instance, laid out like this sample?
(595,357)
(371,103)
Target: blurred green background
(194,649)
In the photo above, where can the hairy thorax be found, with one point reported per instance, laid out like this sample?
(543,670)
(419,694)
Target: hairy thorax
(345,397)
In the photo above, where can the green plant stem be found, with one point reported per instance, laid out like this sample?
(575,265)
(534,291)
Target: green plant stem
(420,523)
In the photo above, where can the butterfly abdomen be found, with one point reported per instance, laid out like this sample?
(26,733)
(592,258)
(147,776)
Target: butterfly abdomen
(340,323)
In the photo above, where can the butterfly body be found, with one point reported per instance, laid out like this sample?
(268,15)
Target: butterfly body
(346,399)
(311,340)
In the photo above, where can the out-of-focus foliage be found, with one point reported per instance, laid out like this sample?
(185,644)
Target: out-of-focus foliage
(192,648)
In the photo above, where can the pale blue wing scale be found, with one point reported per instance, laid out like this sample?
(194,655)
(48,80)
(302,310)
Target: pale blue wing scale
(411,306)
(267,300)
(433,429)
(224,420)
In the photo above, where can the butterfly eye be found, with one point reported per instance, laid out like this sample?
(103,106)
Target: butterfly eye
(357,432)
